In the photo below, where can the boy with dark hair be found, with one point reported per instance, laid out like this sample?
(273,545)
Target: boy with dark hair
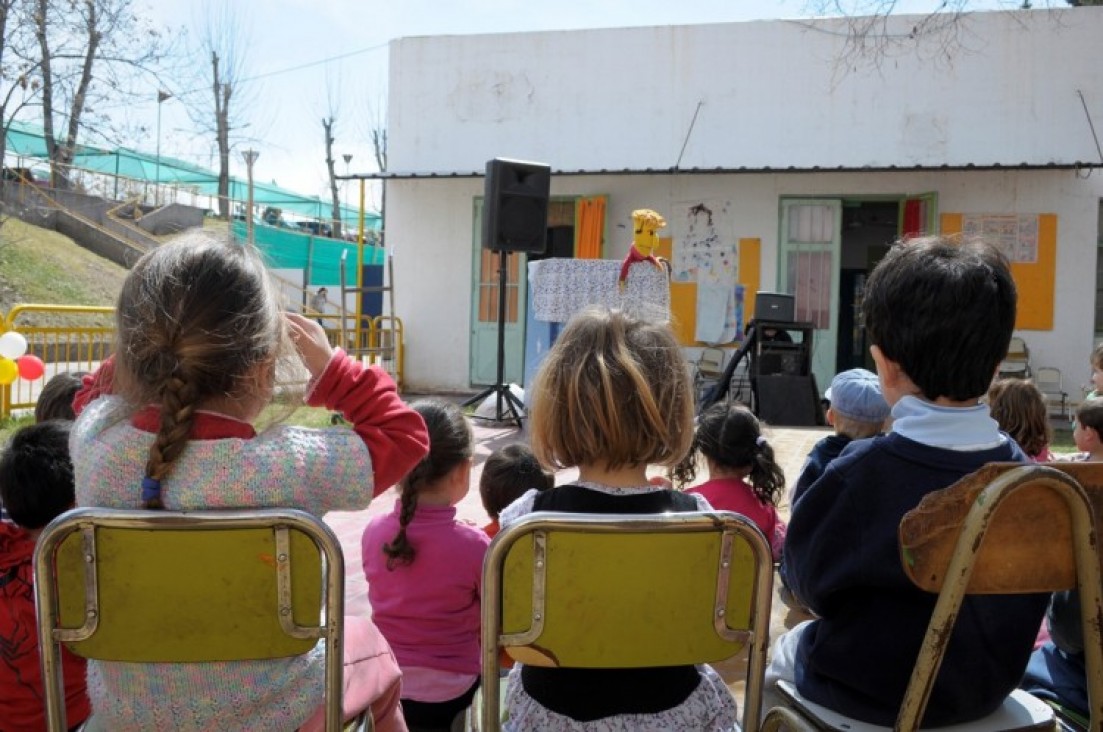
(36,484)
(939,314)
(507,474)
(1087,430)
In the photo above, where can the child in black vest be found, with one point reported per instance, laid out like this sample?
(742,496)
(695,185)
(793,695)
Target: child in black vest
(612,397)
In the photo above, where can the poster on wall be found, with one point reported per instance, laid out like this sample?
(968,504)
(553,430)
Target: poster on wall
(701,229)
(1016,235)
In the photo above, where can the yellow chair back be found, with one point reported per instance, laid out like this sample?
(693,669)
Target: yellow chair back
(627,591)
(168,587)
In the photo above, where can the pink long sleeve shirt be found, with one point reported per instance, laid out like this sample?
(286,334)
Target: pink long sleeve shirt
(428,610)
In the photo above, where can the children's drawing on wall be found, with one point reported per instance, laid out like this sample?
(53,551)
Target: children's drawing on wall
(1015,235)
(699,228)
(705,253)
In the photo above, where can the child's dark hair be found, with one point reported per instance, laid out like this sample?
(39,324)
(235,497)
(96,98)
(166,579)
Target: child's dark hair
(36,474)
(731,437)
(614,389)
(55,401)
(451,442)
(943,309)
(1020,409)
(508,473)
(195,317)
(1090,415)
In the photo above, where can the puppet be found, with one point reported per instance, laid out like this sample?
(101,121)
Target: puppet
(645,240)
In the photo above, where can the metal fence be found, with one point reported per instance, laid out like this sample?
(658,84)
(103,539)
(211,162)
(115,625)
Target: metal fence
(89,337)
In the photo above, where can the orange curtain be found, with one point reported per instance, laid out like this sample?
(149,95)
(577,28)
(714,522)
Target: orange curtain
(590,227)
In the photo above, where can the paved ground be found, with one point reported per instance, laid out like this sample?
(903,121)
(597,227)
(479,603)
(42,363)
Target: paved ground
(790,444)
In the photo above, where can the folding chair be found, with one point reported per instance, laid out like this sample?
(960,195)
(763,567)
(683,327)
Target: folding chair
(1049,382)
(1028,529)
(708,370)
(626,591)
(1017,361)
(168,587)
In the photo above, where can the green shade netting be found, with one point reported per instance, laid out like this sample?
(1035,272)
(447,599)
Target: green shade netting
(321,257)
(28,141)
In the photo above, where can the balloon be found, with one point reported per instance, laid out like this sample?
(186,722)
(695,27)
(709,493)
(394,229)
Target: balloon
(30,367)
(12,345)
(8,371)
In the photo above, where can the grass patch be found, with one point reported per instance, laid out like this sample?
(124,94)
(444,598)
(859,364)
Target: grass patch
(40,266)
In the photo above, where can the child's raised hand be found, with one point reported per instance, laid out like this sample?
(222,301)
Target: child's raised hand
(311,342)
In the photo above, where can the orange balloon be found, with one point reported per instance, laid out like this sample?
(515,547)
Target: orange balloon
(8,371)
(30,367)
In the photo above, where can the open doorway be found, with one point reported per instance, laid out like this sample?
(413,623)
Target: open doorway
(868,230)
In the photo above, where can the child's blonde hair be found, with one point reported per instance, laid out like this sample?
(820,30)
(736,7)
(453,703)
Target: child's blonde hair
(1097,356)
(613,391)
(1020,409)
(855,429)
(194,317)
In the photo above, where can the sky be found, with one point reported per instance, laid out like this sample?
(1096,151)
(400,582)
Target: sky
(302,53)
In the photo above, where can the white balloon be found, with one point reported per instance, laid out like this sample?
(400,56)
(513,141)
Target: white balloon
(12,345)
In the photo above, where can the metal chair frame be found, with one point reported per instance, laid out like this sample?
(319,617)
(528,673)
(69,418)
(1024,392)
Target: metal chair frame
(74,588)
(951,574)
(733,541)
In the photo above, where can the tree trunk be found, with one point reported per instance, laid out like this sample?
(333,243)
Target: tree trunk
(327,126)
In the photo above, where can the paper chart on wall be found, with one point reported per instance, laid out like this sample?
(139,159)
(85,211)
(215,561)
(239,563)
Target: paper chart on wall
(700,229)
(1015,235)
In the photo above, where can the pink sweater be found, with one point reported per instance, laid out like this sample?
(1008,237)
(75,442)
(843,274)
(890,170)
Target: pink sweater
(428,610)
(733,494)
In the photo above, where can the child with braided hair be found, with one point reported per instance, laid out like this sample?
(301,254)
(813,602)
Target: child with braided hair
(167,424)
(743,474)
(424,572)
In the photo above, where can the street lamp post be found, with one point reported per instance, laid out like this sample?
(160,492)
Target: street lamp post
(162,95)
(250,156)
(348,159)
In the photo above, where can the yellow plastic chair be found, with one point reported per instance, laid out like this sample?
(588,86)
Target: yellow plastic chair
(1002,530)
(626,591)
(168,587)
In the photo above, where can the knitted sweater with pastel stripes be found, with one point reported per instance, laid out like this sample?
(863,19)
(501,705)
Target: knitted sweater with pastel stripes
(228,465)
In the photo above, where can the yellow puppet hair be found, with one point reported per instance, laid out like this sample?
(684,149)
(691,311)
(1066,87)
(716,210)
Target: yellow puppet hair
(645,217)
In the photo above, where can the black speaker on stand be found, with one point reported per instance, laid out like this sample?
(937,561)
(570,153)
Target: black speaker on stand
(515,219)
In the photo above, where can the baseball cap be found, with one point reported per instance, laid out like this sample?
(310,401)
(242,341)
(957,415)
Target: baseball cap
(856,394)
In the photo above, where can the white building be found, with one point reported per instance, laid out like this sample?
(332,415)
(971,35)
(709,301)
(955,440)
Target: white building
(768,140)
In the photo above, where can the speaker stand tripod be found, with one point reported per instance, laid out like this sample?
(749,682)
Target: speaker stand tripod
(505,398)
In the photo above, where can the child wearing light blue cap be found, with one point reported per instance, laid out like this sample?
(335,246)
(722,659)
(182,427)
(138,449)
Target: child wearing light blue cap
(857,410)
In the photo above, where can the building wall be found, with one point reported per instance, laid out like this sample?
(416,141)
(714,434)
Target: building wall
(765,94)
(430,224)
(780,94)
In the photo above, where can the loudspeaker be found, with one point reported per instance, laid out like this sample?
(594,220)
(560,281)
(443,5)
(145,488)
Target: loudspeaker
(774,306)
(790,401)
(515,208)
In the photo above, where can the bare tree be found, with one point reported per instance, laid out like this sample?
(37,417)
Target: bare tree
(214,105)
(874,33)
(90,51)
(20,79)
(328,124)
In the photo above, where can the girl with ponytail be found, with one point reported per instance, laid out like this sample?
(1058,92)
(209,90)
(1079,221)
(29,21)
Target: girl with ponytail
(166,423)
(424,572)
(743,476)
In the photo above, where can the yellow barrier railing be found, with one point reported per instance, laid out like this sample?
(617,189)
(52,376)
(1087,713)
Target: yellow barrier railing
(61,347)
(76,347)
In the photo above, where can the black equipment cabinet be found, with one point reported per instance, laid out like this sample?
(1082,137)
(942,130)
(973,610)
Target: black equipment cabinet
(782,383)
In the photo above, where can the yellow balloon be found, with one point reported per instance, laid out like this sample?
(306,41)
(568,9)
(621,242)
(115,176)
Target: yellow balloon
(9,371)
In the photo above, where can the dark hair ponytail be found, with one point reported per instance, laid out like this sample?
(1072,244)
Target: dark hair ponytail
(731,437)
(451,442)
